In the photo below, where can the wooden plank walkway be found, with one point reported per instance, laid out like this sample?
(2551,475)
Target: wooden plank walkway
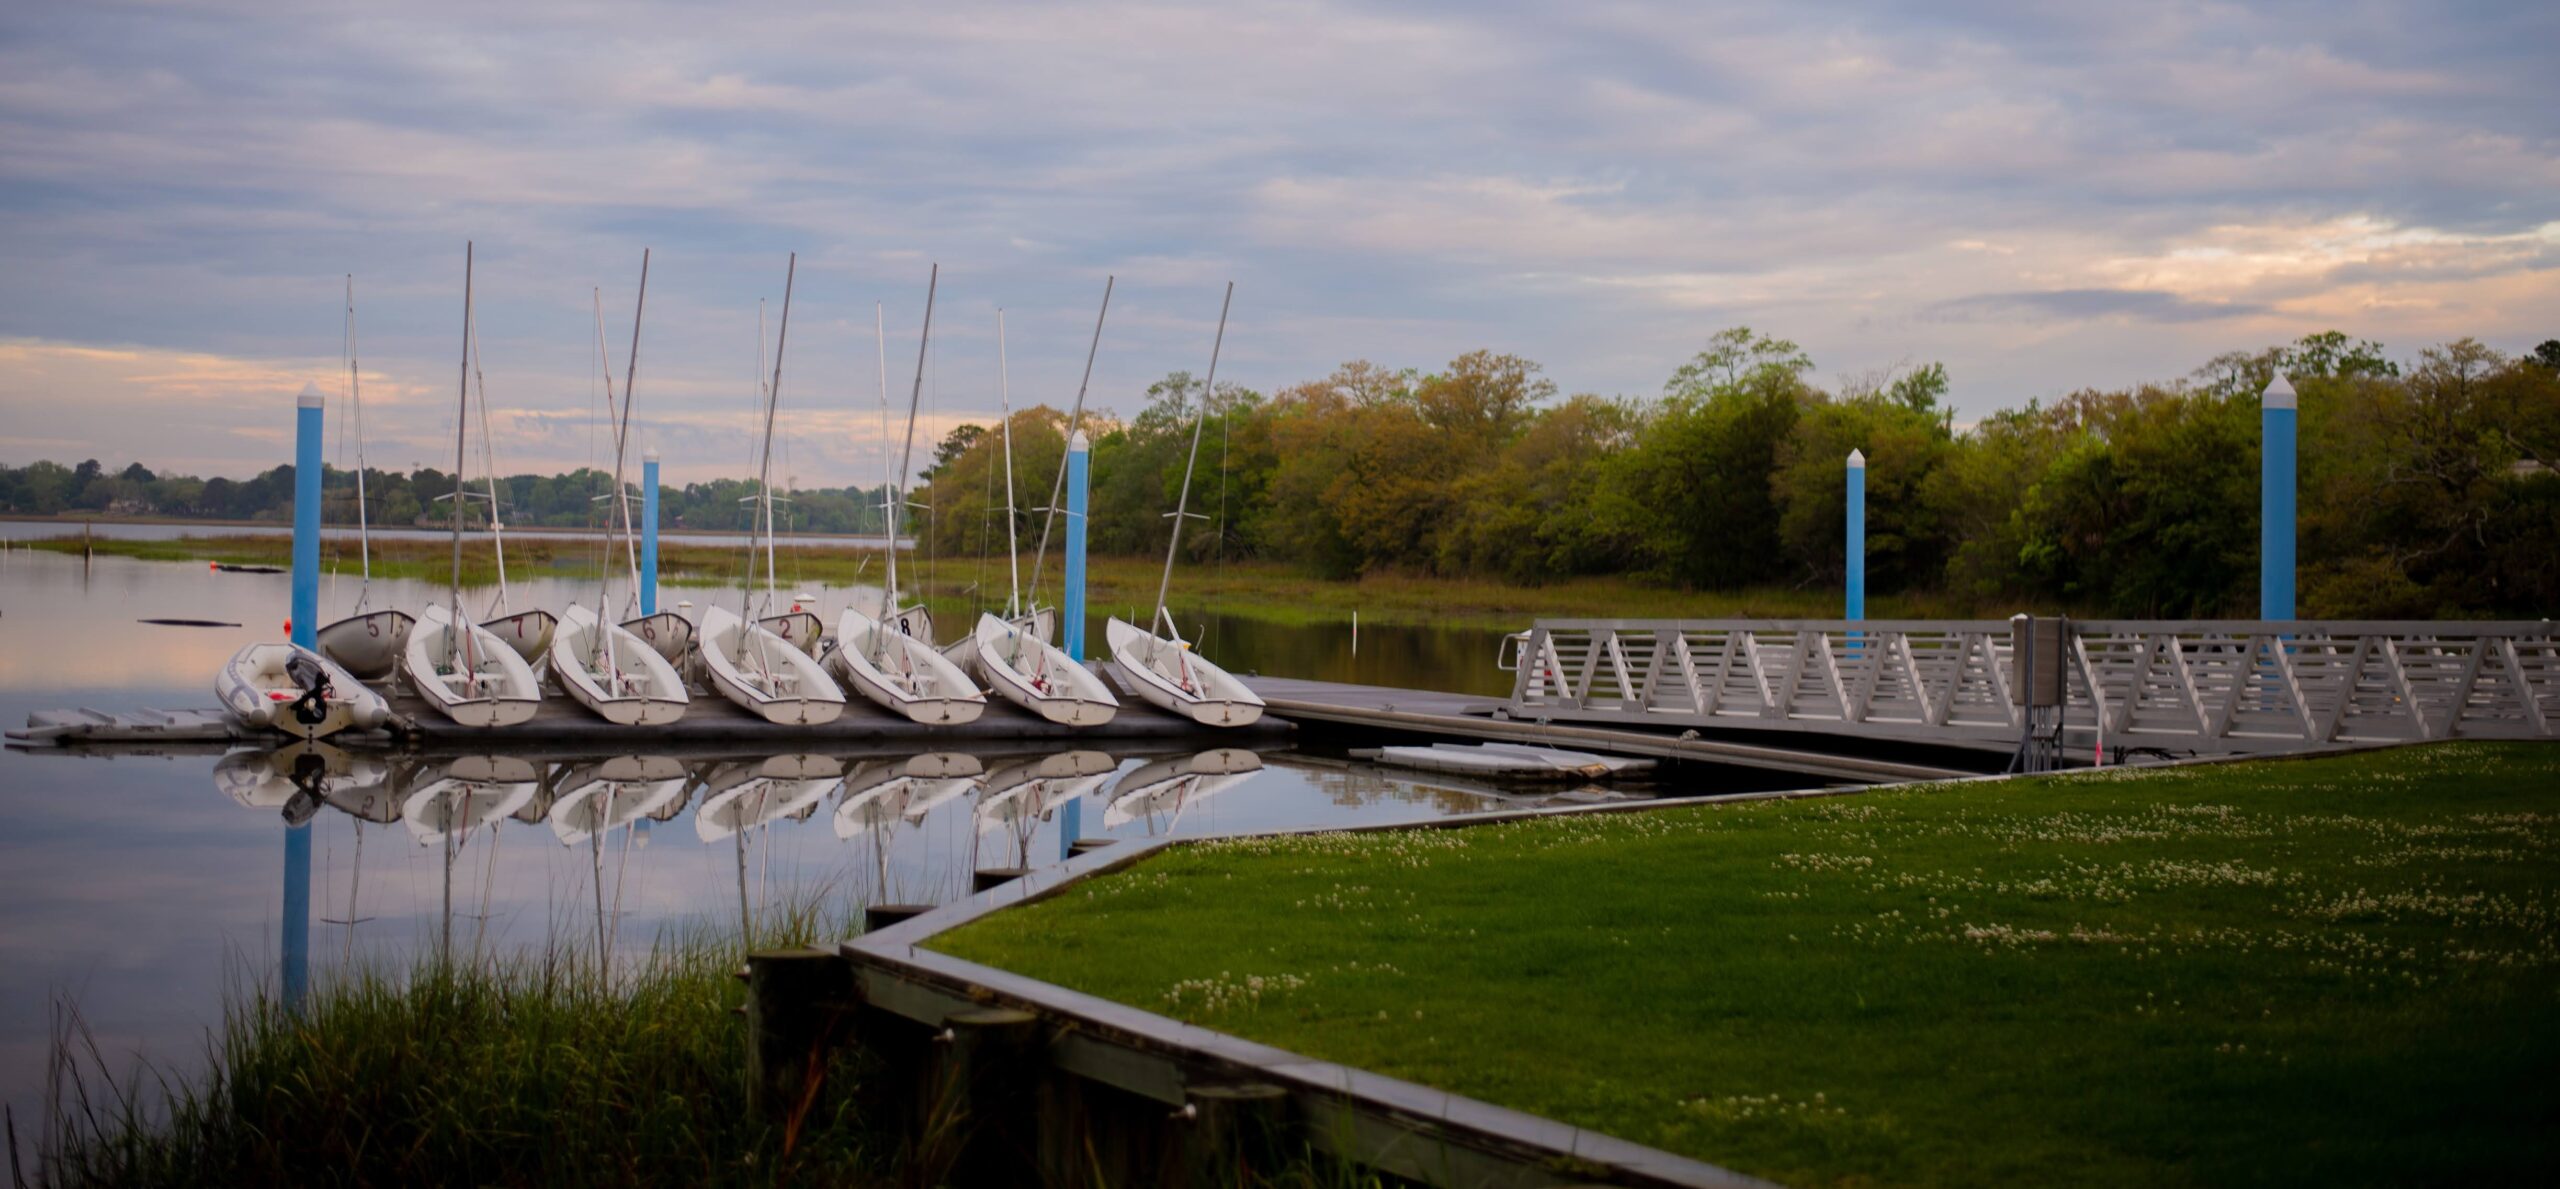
(1464,716)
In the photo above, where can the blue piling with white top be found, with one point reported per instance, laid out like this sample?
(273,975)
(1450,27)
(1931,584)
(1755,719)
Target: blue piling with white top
(1079,457)
(1857,536)
(2276,478)
(295,978)
(306,517)
(649,533)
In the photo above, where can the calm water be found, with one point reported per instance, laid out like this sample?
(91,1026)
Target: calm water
(116,530)
(140,886)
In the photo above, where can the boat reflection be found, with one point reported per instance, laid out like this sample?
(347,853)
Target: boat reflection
(1159,793)
(1021,795)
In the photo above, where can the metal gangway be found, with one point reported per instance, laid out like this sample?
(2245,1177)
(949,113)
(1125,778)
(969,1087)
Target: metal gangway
(2177,687)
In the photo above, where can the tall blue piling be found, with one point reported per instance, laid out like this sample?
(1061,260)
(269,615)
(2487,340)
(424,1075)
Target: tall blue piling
(306,517)
(1079,457)
(2276,478)
(1857,537)
(649,533)
(295,978)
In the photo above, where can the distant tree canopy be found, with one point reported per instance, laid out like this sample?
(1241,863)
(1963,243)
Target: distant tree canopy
(409,500)
(2427,489)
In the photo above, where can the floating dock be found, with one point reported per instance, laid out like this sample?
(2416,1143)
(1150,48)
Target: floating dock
(713,723)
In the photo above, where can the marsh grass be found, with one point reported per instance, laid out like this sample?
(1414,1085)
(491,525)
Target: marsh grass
(542,1069)
(1263,591)
(2330,970)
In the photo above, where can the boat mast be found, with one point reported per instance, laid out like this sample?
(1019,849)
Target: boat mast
(888,478)
(489,459)
(764,469)
(915,398)
(1182,508)
(622,432)
(764,491)
(461,423)
(1075,417)
(355,398)
(1004,403)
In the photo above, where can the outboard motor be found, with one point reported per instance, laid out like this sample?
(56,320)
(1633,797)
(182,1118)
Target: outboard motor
(312,708)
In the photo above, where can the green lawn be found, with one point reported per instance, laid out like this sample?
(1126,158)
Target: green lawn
(2309,971)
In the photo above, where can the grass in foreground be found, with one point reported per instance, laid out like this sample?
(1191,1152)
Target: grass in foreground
(535,1072)
(1258,590)
(2312,971)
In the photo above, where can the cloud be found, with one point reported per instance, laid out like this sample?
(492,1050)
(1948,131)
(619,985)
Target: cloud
(1596,186)
(2140,305)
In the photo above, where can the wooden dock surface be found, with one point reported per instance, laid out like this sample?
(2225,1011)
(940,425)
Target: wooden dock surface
(1471,717)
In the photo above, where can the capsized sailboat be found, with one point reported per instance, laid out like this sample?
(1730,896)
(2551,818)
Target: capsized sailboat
(742,659)
(897,670)
(599,663)
(367,642)
(459,667)
(1164,669)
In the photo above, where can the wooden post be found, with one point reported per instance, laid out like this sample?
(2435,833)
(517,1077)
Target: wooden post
(1235,1132)
(989,1079)
(796,1001)
(995,877)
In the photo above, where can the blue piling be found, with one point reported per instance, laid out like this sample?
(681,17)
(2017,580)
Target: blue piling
(2276,478)
(295,977)
(1070,828)
(649,533)
(1079,458)
(1857,536)
(306,517)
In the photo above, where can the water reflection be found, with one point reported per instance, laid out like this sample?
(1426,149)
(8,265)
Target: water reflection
(777,833)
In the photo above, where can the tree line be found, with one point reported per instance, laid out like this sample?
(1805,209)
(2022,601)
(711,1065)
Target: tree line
(417,498)
(2428,490)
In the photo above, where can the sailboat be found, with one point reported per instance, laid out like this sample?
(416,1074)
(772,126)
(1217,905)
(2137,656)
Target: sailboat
(527,632)
(1043,621)
(1163,668)
(365,643)
(744,660)
(602,665)
(901,671)
(459,667)
(1012,655)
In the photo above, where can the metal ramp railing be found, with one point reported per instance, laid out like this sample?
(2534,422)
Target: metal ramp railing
(2202,686)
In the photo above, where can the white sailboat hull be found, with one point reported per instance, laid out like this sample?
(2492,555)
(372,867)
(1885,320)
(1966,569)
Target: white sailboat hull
(1172,677)
(1038,676)
(480,683)
(614,673)
(257,692)
(903,673)
(670,634)
(527,632)
(367,645)
(778,682)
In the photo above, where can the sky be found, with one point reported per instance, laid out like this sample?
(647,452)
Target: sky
(2044,197)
